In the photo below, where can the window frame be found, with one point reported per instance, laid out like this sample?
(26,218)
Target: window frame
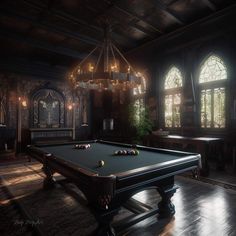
(173,91)
(224,83)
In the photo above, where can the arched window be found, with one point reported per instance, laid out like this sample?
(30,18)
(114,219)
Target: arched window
(212,78)
(173,93)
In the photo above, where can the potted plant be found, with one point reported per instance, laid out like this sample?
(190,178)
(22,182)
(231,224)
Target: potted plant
(139,121)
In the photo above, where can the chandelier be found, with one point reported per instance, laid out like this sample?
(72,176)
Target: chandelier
(105,68)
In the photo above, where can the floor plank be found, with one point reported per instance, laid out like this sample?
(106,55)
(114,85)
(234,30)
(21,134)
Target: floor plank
(201,209)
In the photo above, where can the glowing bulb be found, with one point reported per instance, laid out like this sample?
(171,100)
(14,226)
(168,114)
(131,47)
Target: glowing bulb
(24,103)
(70,107)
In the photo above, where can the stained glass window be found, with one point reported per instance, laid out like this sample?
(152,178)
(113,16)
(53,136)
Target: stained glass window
(173,84)
(173,78)
(213,69)
(212,94)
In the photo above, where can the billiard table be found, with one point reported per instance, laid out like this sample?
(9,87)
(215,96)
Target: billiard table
(110,186)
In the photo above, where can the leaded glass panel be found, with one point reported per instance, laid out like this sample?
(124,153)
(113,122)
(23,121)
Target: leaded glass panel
(173,78)
(219,108)
(173,84)
(177,98)
(168,110)
(213,108)
(176,110)
(206,110)
(213,69)
(212,99)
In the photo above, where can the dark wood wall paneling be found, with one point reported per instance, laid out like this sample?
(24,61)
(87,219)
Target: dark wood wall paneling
(17,85)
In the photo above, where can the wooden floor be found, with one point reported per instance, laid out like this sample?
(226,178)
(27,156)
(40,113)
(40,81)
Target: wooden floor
(201,209)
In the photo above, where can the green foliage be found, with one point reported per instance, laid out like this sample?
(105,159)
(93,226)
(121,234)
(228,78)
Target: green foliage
(139,121)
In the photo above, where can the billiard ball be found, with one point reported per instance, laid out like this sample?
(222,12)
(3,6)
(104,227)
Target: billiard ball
(132,152)
(116,152)
(101,163)
(124,152)
(136,152)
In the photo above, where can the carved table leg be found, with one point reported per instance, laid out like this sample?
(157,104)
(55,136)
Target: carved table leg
(196,173)
(166,207)
(49,181)
(104,223)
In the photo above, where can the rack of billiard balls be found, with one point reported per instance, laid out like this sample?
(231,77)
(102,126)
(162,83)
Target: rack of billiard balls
(132,152)
(82,146)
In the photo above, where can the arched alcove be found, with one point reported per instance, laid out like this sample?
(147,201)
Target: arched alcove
(48,109)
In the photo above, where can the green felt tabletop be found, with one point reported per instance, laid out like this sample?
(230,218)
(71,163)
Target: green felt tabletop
(89,158)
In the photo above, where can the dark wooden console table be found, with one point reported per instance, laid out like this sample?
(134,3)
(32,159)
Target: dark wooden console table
(40,135)
(202,145)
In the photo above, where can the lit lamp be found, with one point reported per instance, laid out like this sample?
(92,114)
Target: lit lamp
(71,107)
(106,74)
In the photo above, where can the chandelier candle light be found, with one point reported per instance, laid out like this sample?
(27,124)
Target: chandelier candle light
(106,74)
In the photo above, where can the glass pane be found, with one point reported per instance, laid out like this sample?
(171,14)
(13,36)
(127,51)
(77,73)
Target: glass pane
(176,115)
(177,98)
(206,117)
(168,111)
(173,78)
(213,69)
(219,108)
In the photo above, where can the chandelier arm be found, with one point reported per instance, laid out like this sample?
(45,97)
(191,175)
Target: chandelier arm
(99,58)
(112,51)
(88,56)
(123,57)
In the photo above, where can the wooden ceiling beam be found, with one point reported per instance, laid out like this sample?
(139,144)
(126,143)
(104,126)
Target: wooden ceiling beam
(40,44)
(73,19)
(224,15)
(49,27)
(210,4)
(132,23)
(27,67)
(134,15)
(62,15)
(164,8)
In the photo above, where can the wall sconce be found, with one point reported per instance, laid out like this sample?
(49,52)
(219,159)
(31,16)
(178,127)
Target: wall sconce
(22,101)
(70,107)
